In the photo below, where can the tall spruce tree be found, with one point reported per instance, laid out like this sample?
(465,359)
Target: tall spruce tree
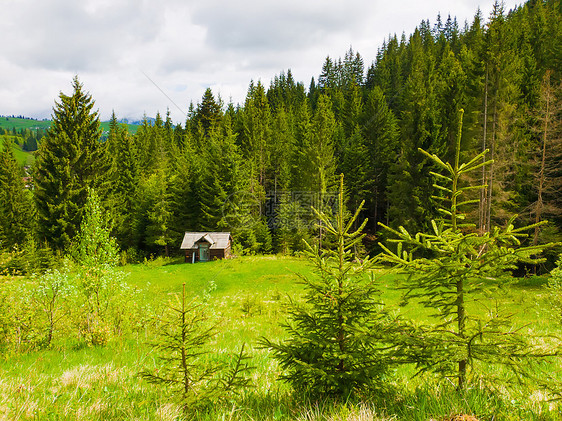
(146,148)
(158,214)
(257,124)
(125,181)
(282,148)
(380,133)
(450,97)
(16,206)
(548,178)
(220,179)
(409,189)
(208,113)
(320,150)
(183,184)
(70,159)
(300,177)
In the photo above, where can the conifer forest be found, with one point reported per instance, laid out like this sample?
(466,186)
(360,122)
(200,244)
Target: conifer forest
(255,169)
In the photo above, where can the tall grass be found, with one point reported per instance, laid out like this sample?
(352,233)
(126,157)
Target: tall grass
(247,298)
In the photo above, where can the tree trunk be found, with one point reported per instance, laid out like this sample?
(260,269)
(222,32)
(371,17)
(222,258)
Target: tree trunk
(482,208)
(461,319)
(491,178)
(539,205)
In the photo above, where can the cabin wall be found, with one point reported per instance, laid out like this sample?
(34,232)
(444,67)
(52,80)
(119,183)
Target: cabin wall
(213,254)
(228,251)
(216,254)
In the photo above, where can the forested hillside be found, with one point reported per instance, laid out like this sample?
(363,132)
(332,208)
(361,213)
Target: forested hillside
(256,168)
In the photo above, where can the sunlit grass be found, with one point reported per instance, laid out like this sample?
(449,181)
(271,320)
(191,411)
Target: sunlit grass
(247,298)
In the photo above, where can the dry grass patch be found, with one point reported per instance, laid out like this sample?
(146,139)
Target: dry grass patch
(84,376)
(168,412)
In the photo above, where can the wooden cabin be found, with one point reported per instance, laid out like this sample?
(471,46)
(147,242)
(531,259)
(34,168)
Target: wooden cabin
(205,246)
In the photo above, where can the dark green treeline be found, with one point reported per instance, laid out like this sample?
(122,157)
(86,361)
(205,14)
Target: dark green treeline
(256,168)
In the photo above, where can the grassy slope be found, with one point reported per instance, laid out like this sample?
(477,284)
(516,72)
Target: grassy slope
(93,383)
(247,297)
(249,274)
(131,127)
(23,157)
(27,158)
(22,123)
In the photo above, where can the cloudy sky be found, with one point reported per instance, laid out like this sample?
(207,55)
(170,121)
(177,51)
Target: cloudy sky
(138,57)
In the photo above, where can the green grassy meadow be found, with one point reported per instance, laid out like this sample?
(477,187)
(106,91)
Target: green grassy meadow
(24,158)
(247,299)
(24,123)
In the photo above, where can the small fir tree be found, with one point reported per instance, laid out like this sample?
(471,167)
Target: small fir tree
(337,341)
(191,378)
(461,266)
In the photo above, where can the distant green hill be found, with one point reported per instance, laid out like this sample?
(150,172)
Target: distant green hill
(23,123)
(23,157)
(132,127)
(28,123)
(27,158)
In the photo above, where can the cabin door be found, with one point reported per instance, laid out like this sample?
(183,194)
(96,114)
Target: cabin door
(203,252)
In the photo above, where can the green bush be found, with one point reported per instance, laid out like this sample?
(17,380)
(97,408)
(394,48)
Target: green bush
(158,261)
(50,298)
(555,290)
(29,259)
(131,256)
(106,306)
(20,325)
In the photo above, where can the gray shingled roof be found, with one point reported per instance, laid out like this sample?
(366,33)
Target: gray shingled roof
(218,240)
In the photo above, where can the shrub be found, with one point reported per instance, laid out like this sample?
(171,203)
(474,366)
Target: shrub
(555,289)
(20,329)
(50,298)
(156,262)
(29,259)
(105,304)
(131,255)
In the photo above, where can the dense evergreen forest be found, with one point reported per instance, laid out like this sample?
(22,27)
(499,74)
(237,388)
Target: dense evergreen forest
(256,168)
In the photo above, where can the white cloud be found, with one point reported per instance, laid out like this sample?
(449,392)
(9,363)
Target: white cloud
(186,46)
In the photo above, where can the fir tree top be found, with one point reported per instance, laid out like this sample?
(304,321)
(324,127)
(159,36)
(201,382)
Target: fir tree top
(73,115)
